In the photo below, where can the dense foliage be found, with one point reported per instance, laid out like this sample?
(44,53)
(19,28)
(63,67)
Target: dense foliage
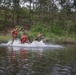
(46,16)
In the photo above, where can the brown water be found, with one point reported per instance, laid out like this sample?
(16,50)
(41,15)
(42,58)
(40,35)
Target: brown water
(20,61)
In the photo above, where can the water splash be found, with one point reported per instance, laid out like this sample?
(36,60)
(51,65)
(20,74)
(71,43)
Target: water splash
(35,44)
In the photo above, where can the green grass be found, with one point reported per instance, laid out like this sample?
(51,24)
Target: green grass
(5,38)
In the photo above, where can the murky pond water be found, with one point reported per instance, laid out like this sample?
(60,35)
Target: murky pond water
(23,61)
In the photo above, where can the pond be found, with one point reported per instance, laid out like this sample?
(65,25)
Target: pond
(50,61)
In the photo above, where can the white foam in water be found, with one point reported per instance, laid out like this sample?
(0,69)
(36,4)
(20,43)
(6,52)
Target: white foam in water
(15,42)
(37,44)
(33,44)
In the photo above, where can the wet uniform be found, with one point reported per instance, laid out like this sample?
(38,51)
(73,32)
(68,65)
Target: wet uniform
(24,38)
(39,38)
(14,34)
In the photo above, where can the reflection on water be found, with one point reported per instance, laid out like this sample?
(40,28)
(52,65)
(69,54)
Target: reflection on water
(21,61)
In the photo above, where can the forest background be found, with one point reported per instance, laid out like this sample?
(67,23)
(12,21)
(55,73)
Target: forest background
(56,19)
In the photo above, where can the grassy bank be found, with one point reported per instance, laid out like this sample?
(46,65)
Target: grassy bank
(5,38)
(49,39)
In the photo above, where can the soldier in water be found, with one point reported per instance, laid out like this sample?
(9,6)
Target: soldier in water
(14,33)
(39,37)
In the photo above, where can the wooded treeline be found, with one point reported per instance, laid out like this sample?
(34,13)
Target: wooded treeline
(56,16)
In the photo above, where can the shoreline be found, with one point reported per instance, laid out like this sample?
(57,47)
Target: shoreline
(59,40)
